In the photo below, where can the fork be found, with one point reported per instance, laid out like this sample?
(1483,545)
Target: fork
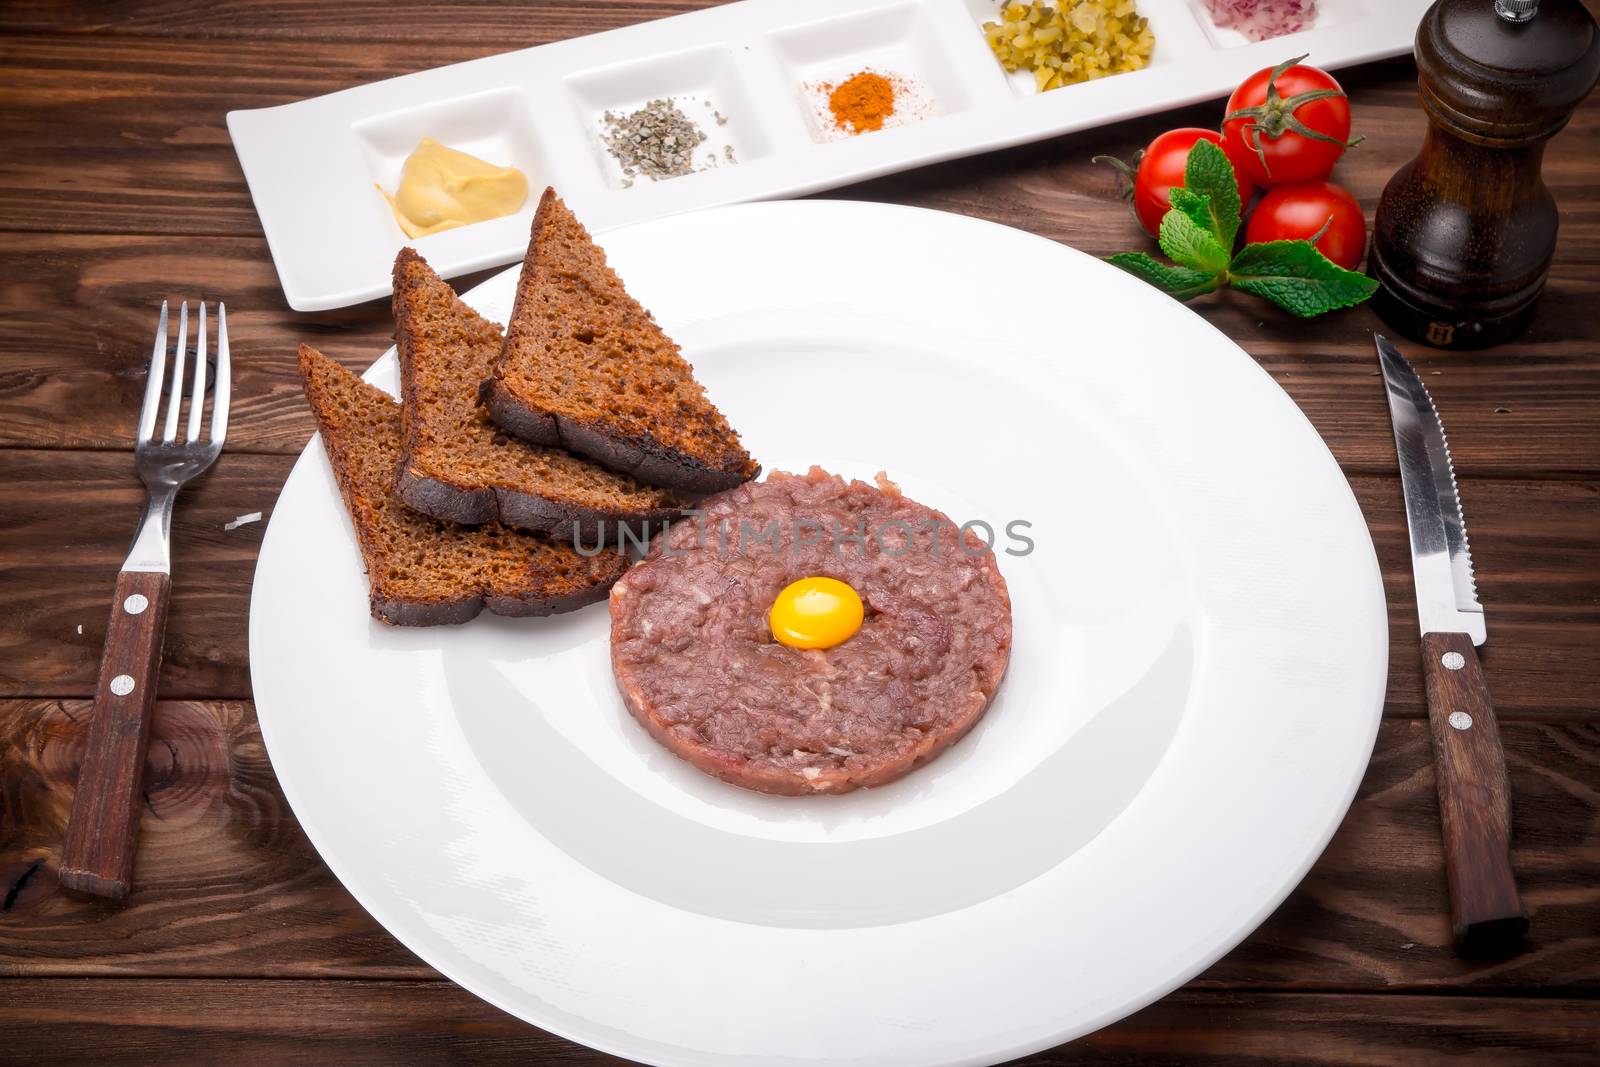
(97,858)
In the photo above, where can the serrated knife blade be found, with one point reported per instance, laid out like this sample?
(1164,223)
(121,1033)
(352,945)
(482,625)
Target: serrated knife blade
(1441,558)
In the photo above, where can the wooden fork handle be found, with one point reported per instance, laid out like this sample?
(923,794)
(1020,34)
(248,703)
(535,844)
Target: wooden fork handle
(97,858)
(1474,799)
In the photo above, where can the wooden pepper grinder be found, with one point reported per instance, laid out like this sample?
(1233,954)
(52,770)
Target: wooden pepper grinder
(1465,232)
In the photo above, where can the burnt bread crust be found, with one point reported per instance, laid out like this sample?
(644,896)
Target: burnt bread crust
(417,613)
(421,571)
(454,612)
(586,368)
(646,460)
(456,465)
(531,607)
(441,500)
(524,511)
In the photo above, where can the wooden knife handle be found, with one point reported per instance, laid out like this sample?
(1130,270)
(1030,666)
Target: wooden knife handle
(1474,799)
(97,858)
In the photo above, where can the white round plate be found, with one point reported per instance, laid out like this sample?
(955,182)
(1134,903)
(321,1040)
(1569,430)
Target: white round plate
(1194,690)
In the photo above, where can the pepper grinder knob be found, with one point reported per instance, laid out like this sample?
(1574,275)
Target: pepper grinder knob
(1516,10)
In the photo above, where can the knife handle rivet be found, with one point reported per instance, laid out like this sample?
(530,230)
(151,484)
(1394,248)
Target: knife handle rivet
(1460,720)
(122,685)
(1454,661)
(135,604)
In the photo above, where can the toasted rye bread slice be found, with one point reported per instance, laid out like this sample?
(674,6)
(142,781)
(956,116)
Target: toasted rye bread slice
(421,571)
(457,465)
(586,367)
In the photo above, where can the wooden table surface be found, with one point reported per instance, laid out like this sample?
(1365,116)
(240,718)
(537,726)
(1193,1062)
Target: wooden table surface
(118,188)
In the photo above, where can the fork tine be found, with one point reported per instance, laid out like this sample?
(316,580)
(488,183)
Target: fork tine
(175,393)
(197,399)
(219,399)
(152,380)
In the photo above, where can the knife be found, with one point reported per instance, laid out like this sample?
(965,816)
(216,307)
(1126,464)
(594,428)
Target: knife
(1474,796)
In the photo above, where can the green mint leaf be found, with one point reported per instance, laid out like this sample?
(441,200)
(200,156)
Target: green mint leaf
(1178,282)
(1196,205)
(1208,172)
(1191,245)
(1297,277)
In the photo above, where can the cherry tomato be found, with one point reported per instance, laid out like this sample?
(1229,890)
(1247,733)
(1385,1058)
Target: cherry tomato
(1161,167)
(1297,212)
(1287,124)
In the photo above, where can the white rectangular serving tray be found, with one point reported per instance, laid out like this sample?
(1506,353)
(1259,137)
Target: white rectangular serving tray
(314,166)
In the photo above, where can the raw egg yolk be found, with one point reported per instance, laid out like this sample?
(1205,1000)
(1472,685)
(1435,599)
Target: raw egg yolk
(815,613)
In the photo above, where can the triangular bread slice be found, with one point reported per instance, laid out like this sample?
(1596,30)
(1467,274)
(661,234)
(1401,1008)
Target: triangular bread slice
(457,465)
(586,368)
(422,571)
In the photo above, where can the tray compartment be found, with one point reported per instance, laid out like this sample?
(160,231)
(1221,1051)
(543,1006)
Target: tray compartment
(496,126)
(1329,13)
(892,40)
(690,79)
(1175,35)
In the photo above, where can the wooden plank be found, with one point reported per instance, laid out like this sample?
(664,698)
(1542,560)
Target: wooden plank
(1537,560)
(1373,912)
(492,24)
(77,316)
(127,135)
(208,1021)
(110,1022)
(66,518)
(225,881)
(226,884)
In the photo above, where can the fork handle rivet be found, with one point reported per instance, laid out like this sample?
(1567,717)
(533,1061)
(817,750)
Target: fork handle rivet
(1453,661)
(135,604)
(122,685)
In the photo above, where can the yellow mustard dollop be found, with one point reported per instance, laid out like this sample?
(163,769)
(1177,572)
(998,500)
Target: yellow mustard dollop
(441,188)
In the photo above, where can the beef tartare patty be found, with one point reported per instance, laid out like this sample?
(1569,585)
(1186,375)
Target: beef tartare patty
(698,666)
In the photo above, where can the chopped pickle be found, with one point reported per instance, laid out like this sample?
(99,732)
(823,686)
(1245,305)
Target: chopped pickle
(1071,42)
